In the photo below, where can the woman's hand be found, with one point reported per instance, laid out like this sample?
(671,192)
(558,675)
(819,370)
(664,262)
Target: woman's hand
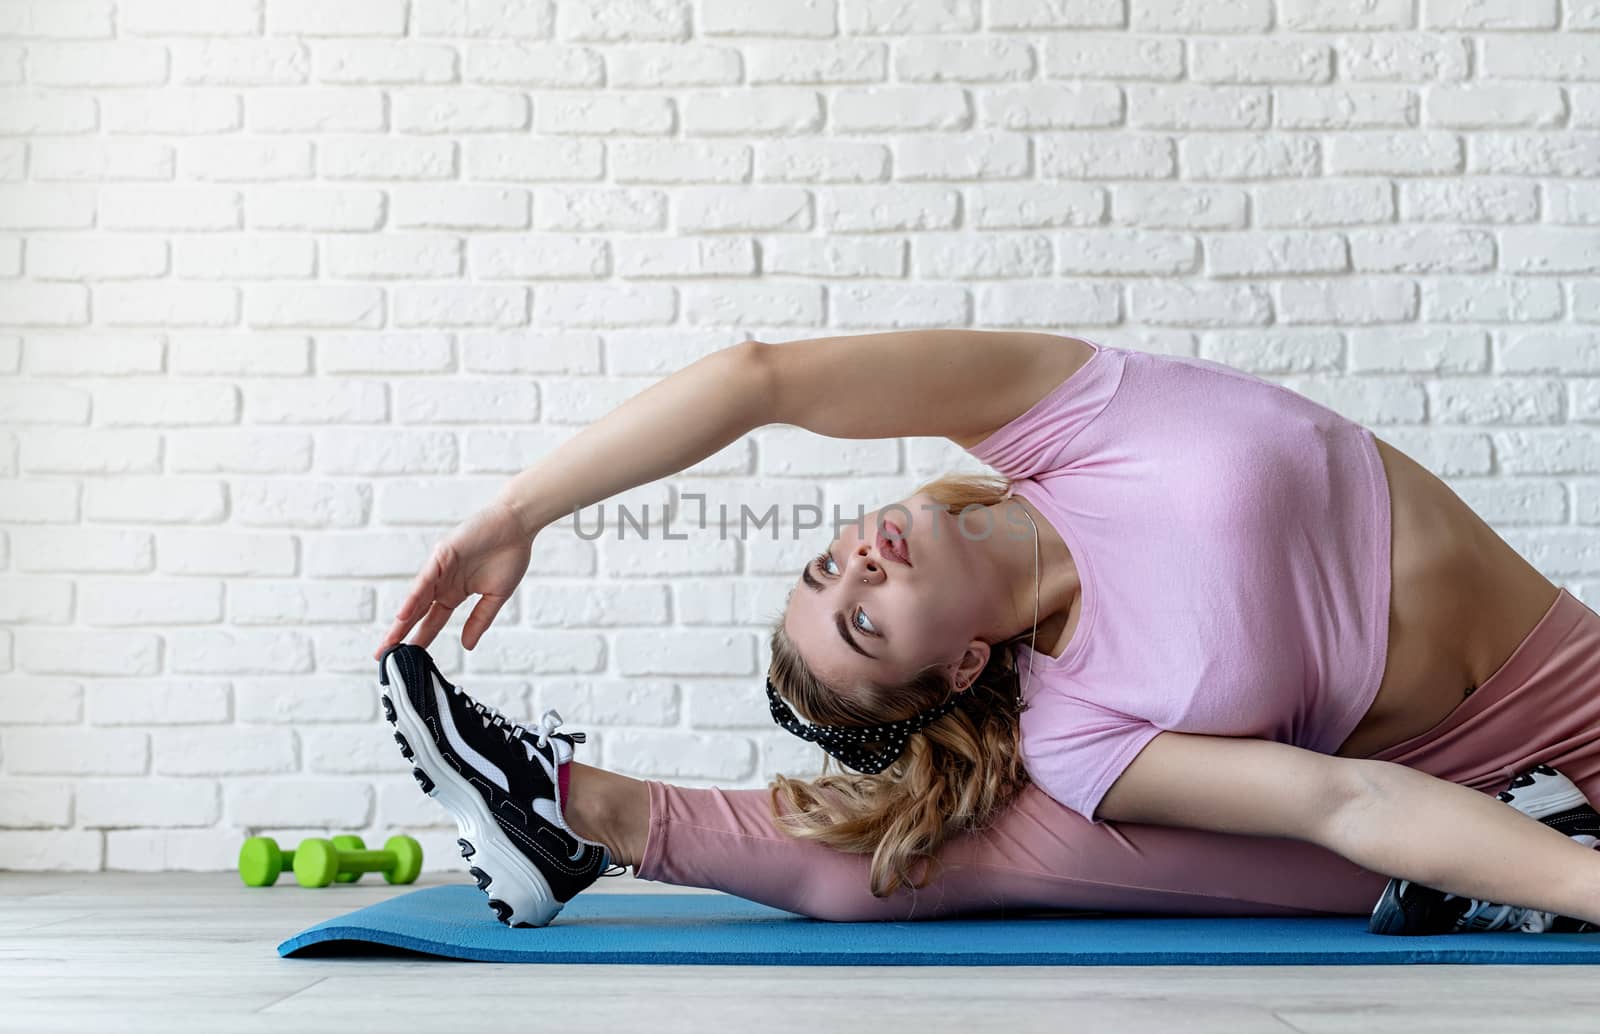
(487,554)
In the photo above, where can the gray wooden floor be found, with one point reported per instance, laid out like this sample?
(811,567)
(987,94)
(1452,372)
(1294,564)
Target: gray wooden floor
(195,952)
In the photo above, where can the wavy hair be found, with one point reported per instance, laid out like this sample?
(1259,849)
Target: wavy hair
(956,775)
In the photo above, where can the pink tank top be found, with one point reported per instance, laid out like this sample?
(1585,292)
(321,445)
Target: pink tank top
(1232,537)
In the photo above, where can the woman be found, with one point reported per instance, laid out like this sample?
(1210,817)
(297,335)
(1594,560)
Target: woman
(1272,657)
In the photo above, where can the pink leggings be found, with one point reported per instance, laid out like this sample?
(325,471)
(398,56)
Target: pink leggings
(1541,707)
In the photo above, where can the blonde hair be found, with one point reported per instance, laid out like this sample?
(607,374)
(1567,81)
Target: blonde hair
(956,774)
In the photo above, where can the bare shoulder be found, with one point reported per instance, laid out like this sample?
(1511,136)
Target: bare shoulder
(1051,359)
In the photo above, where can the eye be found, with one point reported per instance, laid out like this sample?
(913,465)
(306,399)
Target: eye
(823,562)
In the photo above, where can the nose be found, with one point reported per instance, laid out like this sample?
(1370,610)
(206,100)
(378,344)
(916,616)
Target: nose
(864,565)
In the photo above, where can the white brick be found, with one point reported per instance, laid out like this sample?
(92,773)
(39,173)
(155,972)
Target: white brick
(366,453)
(1276,253)
(45,305)
(35,803)
(1326,107)
(1313,16)
(334,803)
(1404,57)
(304,504)
(1441,350)
(1494,300)
(385,62)
(172,850)
(1260,61)
(30,600)
(534,161)
(461,207)
(485,18)
(467,401)
(1356,300)
(322,305)
(111,159)
(171,110)
(38,112)
(97,64)
(98,257)
(232,159)
(317,402)
(351,749)
(675,755)
(156,501)
(66,851)
(548,65)
(1333,203)
(314,208)
(458,110)
(385,158)
(92,452)
(75,752)
(147,802)
(43,403)
(163,208)
(1421,250)
(182,18)
(316,111)
(1509,400)
(40,701)
(612,701)
(252,257)
(1472,200)
(258,62)
(305,699)
(75,651)
(1555,350)
(167,305)
(227,553)
(247,354)
(348,18)
(394,256)
(1550,250)
(395,352)
(238,451)
(466,305)
(1493,105)
(224,750)
(167,701)
(685,652)
(61,19)
(46,208)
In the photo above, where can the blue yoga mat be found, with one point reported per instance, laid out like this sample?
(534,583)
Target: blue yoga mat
(696,929)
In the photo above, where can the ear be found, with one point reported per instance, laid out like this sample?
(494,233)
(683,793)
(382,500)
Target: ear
(971,665)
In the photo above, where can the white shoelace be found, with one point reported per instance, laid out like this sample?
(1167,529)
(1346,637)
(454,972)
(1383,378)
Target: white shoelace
(549,722)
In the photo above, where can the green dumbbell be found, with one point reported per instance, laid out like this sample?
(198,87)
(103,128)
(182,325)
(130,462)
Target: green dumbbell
(318,862)
(261,861)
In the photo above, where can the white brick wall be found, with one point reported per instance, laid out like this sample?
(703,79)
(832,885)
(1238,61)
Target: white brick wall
(289,287)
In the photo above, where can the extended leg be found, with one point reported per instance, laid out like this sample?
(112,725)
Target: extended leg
(1038,855)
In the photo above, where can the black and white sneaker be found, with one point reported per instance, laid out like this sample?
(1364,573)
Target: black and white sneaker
(499,781)
(1410,909)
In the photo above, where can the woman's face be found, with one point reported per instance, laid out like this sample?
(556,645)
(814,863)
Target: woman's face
(885,599)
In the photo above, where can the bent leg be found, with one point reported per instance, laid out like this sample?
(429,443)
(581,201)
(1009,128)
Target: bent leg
(1038,855)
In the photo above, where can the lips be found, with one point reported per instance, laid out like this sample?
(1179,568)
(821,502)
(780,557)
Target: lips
(898,549)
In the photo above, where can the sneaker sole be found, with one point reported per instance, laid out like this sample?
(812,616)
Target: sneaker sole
(518,892)
(1548,796)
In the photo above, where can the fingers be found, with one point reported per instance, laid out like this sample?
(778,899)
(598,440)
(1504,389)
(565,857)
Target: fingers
(480,619)
(435,619)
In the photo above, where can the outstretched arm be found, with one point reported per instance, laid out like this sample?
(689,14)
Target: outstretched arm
(961,384)
(1385,817)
